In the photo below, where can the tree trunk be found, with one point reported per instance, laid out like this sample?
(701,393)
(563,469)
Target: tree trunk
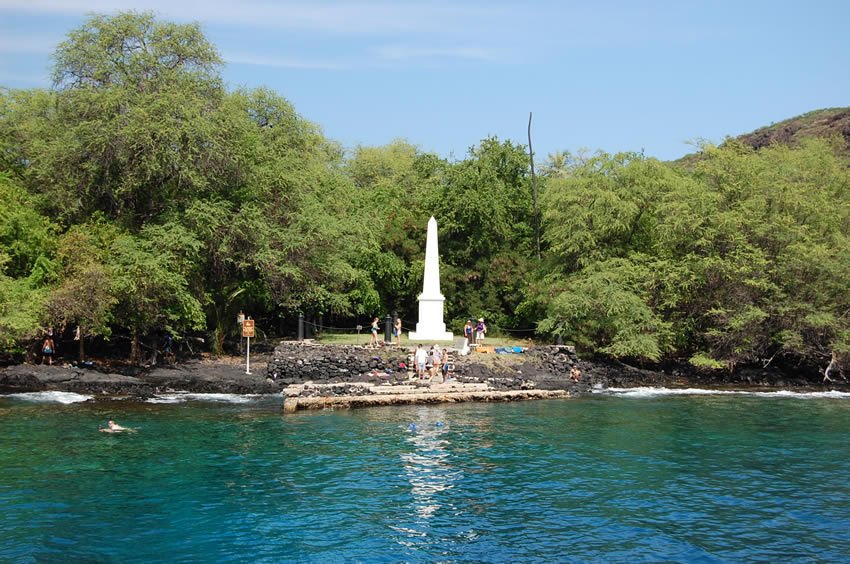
(134,349)
(534,189)
(218,340)
(154,347)
(82,335)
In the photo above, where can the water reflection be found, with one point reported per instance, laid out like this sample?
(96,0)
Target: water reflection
(428,465)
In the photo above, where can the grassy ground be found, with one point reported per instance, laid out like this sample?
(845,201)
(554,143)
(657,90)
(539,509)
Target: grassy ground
(363,339)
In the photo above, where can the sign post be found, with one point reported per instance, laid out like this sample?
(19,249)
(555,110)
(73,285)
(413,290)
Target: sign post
(248,332)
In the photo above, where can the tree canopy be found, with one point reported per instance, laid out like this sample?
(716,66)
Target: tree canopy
(140,196)
(740,260)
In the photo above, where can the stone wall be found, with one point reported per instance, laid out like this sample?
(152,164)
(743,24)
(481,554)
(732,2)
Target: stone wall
(299,362)
(545,368)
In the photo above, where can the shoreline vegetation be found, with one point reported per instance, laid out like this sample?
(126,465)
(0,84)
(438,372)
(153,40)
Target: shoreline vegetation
(143,202)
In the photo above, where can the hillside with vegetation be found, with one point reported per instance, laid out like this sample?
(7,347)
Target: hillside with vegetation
(831,123)
(139,196)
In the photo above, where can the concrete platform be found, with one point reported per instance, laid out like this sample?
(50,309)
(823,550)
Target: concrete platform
(427,396)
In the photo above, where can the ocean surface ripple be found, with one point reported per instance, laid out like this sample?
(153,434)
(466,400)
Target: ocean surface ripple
(622,477)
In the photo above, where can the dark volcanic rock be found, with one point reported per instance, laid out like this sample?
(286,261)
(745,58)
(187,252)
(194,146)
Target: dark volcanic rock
(211,377)
(343,370)
(540,368)
(223,376)
(300,362)
(14,382)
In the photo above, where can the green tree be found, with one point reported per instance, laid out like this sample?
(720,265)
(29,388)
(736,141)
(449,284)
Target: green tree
(84,295)
(602,270)
(301,213)
(132,122)
(738,261)
(26,265)
(151,283)
(486,215)
(394,186)
(777,253)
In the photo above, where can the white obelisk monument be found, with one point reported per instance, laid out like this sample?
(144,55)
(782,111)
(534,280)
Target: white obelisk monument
(430,326)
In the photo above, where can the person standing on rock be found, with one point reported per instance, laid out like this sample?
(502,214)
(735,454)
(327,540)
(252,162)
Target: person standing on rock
(48,349)
(167,343)
(420,359)
(575,373)
(436,360)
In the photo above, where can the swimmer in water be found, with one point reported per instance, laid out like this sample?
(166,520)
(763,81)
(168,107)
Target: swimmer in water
(113,427)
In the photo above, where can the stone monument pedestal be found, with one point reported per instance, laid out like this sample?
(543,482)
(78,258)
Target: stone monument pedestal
(430,326)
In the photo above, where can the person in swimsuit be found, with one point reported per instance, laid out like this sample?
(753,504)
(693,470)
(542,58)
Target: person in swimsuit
(575,373)
(373,340)
(397,331)
(48,349)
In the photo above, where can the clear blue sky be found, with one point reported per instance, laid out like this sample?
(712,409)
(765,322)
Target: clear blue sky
(610,75)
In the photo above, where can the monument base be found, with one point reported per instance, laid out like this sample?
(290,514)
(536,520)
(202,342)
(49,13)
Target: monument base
(430,336)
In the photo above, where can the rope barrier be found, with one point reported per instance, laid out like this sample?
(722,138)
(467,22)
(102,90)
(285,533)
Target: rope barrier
(329,328)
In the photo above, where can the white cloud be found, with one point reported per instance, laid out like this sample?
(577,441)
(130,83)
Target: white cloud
(335,17)
(432,31)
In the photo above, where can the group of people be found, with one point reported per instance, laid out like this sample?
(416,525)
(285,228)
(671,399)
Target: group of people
(429,362)
(475,331)
(374,330)
(48,346)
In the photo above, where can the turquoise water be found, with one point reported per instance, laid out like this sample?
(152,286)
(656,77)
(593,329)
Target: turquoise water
(613,478)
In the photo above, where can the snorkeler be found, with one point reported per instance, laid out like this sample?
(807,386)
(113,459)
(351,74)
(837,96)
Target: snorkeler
(113,427)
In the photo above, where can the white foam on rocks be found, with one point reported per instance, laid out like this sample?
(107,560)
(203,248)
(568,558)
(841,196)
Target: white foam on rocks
(51,397)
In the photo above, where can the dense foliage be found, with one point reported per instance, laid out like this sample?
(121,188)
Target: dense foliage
(743,258)
(139,196)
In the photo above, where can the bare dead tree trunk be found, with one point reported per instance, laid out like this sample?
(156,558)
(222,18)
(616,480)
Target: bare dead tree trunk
(534,188)
(833,365)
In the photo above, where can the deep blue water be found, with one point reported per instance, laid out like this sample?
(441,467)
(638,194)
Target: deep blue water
(606,478)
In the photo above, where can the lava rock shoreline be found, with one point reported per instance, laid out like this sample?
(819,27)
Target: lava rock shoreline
(348,368)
